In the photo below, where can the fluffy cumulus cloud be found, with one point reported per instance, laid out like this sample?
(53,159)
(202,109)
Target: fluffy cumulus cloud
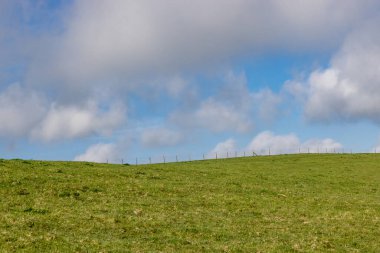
(68,122)
(267,104)
(214,115)
(320,146)
(232,108)
(20,110)
(222,148)
(101,153)
(267,142)
(27,113)
(158,137)
(349,89)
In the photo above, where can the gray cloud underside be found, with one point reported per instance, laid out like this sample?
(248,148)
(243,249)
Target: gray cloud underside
(121,41)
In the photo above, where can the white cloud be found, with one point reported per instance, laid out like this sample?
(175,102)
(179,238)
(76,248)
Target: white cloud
(25,112)
(321,146)
(233,108)
(350,88)
(215,116)
(222,148)
(68,122)
(158,137)
(20,110)
(176,86)
(101,153)
(267,141)
(123,39)
(267,104)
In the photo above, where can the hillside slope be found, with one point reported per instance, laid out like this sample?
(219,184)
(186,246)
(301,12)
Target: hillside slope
(259,204)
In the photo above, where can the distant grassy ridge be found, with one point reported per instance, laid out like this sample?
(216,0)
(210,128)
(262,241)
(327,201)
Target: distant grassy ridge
(285,203)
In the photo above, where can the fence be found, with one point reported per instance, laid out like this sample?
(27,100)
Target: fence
(230,154)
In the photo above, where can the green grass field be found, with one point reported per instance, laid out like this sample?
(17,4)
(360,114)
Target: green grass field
(288,203)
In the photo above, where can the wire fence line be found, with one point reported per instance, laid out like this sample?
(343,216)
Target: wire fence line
(157,159)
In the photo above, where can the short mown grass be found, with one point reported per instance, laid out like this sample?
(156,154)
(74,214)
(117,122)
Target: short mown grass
(288,203)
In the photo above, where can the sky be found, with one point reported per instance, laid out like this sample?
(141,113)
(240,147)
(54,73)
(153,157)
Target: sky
(112,81)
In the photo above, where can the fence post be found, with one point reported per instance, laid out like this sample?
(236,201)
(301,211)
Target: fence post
(244,153)
(136,161)
(164,158)
(122,161)
(203,156)
(216,155)
(227,154)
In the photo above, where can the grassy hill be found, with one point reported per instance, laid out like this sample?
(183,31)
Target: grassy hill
(285,203)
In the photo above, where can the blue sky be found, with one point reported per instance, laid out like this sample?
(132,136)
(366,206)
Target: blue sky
(110,80)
